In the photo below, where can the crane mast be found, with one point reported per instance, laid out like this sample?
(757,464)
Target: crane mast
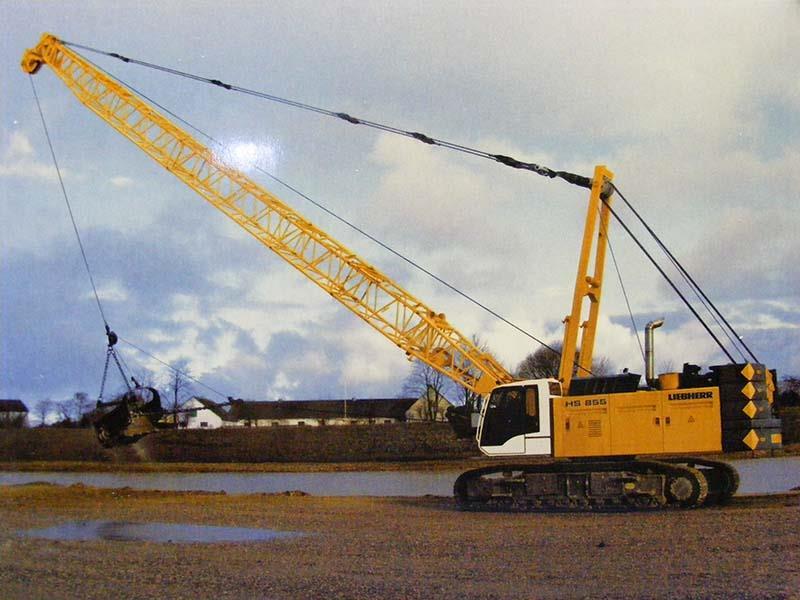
(421,332)
(588,286)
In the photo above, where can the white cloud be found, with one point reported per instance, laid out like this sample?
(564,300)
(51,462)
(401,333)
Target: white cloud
(751,254)
(112,291)
(368,358)
(282,387)
(432,194)
(186,309)
(18,147)
(121,181)
(19,160)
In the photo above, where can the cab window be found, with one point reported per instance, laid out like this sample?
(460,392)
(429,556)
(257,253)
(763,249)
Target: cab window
(512,411)
(532,402)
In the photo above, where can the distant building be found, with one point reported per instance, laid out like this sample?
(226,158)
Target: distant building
(313,413)
(13,413)
(431,406)
(201,413)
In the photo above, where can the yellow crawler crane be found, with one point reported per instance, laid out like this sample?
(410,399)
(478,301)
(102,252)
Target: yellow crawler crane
(596,425)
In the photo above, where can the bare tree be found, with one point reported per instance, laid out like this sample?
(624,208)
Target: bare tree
(64,411)
(44,408)
(545,362)
(789,392)
(666,366)
(429,384)
(72,410)
(541,363)
(179,388)
(602,366)
(144,377)
(465,396)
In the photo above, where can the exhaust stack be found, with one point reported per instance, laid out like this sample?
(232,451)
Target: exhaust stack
(649,352)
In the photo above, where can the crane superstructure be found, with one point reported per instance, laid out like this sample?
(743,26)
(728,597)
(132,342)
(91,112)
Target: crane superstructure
(597,424)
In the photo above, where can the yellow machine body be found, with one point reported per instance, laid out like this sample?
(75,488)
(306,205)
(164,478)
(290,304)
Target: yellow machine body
(641,422)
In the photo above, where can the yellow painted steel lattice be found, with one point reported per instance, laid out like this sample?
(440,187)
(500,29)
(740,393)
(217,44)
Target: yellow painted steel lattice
(418,330)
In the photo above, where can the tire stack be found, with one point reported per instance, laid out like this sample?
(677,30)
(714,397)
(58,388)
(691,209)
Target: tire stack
(746,395)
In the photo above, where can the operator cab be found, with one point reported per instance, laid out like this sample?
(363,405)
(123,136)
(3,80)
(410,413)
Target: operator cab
(516,419)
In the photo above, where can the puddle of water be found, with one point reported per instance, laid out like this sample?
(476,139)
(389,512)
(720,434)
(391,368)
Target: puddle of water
(176,533)
(768,475)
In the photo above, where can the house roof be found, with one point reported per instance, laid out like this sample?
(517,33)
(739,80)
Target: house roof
(210,405)
(13,406)
(372,408)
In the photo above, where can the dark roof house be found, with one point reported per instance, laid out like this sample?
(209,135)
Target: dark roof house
(372,408)
(212,406)
(13,406)
(13,413)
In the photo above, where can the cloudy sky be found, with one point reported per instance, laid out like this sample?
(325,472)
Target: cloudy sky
(695,107)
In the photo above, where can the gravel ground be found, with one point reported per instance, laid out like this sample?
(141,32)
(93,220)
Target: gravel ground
(395,548)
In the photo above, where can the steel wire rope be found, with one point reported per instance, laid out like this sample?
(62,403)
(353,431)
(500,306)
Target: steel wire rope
(622,287)
(509,161)
(670,282)
(704,299)
(506,160)
(111,354)
(67,202)
(341,219)
(174,369)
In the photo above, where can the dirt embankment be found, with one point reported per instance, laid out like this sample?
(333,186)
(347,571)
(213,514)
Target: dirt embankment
(392,548)
(355,443)
(288,449)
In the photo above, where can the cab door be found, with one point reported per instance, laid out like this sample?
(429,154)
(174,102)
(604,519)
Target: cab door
(510,413)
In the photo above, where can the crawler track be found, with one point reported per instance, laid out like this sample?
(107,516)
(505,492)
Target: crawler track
(581,486)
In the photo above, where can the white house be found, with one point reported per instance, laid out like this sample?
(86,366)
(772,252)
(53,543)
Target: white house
(314,413)
(201,413)
(431,406)
(355,411)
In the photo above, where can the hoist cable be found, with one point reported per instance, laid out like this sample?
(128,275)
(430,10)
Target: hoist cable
(508,161)
(174,369)
(105,374)
(624,290)
(67,202)
(700,296)
(690,280)
(418,266)
(341,219)
(117,359)
(670,282)
(110,352)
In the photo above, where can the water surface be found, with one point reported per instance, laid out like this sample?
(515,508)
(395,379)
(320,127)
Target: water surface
(758,476)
